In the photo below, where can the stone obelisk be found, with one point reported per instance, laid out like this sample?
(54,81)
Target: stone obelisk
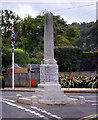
(49,67)
(48,39)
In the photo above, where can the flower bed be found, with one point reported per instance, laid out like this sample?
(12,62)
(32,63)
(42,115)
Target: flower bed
(79,81)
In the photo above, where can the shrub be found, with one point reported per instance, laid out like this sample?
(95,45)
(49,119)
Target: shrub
(21,57)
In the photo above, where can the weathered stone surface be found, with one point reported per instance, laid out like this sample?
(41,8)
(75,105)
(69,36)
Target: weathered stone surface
(18,96)
(34,100)
(49,73)
(23,100)
(48,39)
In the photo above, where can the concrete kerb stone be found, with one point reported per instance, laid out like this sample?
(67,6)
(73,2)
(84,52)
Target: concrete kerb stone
(23,100)
(18,96)
(35,101)
(81,99)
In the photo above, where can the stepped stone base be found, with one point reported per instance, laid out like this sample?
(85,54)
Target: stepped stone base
(50,94)
(49,90)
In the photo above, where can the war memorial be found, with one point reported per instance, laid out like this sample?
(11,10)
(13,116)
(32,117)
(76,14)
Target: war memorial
(49,89)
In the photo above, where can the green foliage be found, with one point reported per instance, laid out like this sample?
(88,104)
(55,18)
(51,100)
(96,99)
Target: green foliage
(7,18)
(91,52)
(21,57)
(1,77)
(89,61)
(6,57)
(68,58)
(79,81)
(72,33)
(87,39)
(61,41)
(36,61)
(29,36)
(60,26)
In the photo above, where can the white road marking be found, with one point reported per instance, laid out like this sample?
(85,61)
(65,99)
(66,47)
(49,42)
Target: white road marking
(48,113)
(91,101)
(23,108)
(85,96)
(8,100)
(91,96)
(95,104)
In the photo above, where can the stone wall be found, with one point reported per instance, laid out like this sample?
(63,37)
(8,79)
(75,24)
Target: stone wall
(21,79)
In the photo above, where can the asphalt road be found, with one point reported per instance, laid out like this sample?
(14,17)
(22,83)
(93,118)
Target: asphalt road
(11,109)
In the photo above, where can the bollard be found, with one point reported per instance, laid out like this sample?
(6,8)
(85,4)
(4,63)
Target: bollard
(18,96)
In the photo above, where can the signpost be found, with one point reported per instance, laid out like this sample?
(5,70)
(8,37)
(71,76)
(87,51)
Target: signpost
(30,75)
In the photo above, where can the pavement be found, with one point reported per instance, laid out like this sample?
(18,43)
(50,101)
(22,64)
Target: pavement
(70,90)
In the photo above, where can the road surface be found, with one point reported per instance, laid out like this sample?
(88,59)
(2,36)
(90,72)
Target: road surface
(11,109)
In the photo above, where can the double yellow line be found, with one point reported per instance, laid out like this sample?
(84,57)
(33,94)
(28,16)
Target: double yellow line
(89,117)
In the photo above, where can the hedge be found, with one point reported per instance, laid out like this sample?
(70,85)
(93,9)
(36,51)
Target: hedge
(74,59)
(89,61)
(68,58)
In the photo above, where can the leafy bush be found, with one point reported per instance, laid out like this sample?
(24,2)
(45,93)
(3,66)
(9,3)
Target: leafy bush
(21,57)
(79,81)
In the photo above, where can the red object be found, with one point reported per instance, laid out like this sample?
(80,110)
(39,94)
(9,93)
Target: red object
(32,81)
(62,77)
(76,75)
(9,70)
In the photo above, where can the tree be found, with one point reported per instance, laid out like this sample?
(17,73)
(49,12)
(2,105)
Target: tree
(60,26)
(61,41)
(31,31)
(72,33)
(87,39)
(7,19)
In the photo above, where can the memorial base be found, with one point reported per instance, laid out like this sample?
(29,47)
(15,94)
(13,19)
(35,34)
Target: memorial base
(52,94)
(49,90)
